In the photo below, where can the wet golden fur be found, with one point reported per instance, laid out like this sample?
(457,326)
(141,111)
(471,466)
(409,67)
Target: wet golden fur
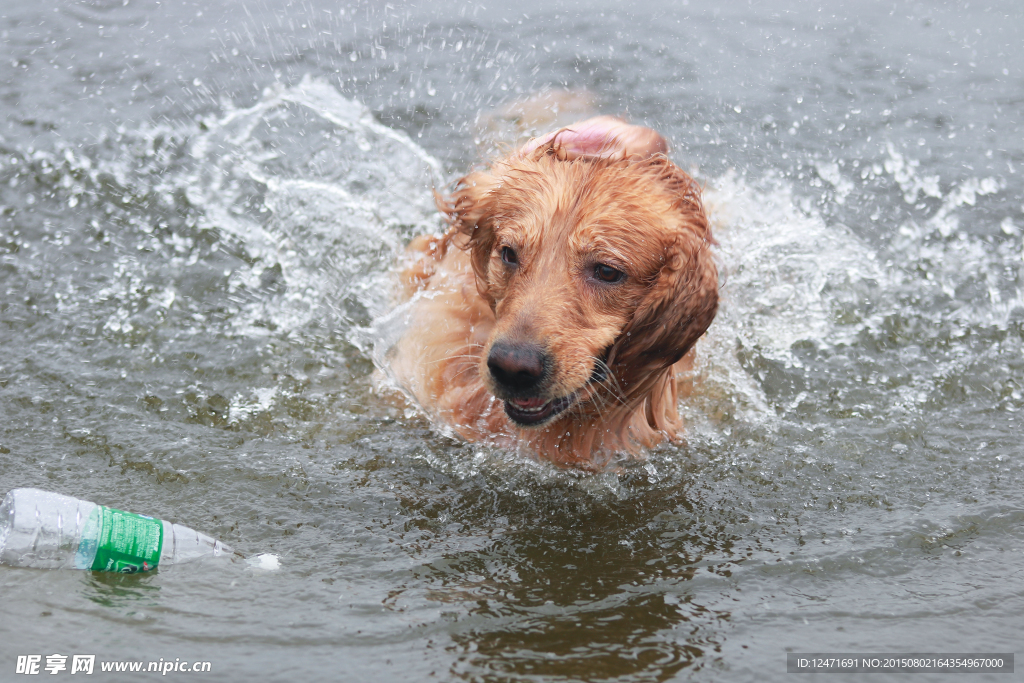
(563,212)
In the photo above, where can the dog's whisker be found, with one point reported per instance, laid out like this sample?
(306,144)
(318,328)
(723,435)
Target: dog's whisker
(463,371)
(470,356)
(608,380)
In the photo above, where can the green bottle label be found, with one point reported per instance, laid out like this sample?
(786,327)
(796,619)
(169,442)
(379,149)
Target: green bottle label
(129,543)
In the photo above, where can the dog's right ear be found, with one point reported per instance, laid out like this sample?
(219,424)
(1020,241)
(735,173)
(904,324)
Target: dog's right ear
(470,213)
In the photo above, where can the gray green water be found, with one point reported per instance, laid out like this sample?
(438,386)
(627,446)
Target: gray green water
(199,204)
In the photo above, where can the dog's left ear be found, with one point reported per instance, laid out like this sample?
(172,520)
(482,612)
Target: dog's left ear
(682,299)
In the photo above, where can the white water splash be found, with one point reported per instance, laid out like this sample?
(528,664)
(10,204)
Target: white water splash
(243,408)
(783,273)
(829,172)
(321,195)
(968,277)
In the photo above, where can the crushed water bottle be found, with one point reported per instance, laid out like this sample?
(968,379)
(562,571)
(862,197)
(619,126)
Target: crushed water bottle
(51,531)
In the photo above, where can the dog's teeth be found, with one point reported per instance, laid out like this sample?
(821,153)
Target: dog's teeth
(529,409)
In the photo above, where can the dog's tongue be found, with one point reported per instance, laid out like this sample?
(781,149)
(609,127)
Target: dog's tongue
(527,403)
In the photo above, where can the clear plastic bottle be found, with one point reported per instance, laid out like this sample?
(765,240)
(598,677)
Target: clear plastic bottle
(52,531)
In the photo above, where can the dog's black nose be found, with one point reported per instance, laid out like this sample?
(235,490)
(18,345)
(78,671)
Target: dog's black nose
(517,367)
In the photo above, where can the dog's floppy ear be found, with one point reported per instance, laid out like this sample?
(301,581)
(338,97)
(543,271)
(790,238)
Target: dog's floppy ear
(682,298)
(601,137)
(470,212)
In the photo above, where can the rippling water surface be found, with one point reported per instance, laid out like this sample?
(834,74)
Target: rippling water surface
(199,206)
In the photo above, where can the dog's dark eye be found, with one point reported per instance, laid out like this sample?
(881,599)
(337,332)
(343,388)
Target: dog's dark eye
(607,273)
(508,255)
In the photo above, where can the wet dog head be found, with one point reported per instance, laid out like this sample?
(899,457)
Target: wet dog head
(598,270)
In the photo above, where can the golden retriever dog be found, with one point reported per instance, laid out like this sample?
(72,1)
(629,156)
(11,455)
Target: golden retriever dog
(560,309)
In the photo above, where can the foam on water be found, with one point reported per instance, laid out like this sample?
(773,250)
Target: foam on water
(264,562)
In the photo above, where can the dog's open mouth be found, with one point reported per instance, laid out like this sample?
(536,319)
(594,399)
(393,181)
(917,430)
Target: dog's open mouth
(530,412)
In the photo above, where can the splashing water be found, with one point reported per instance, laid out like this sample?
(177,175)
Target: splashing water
(339,192)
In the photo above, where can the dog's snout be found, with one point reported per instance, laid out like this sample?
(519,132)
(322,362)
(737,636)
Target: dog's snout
(517,367)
